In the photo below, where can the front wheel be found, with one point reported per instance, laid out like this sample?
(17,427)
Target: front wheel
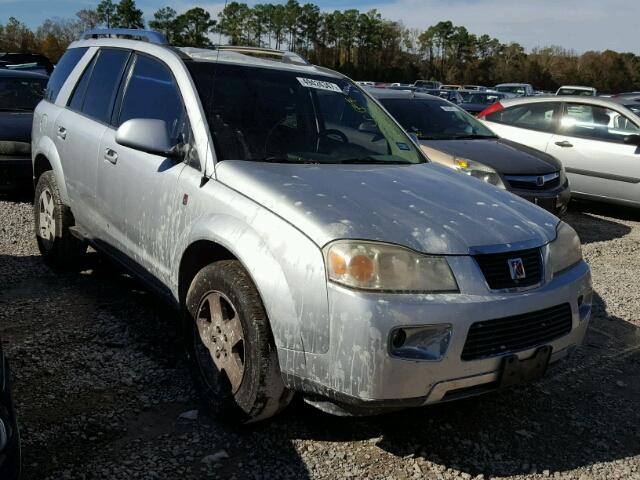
(230,345)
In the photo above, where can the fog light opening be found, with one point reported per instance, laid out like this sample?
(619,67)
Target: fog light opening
(398,338)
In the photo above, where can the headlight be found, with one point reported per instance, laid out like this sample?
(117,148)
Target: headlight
(478,170)
(384,267)
(565,251)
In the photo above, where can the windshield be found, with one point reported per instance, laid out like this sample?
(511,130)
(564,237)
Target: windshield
(511,89)
(576,91)
(435,120)
(21,94)
(634,107)
(482,98)
(270,115)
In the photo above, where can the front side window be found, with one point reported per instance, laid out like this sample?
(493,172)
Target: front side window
(435,119)
(533,116)
(151,92)
(264,114)
(62,71)
(21,94)
(596,122)
(103,84)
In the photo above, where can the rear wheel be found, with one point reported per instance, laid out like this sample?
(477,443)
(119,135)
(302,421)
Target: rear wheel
(230,345)
(52,220)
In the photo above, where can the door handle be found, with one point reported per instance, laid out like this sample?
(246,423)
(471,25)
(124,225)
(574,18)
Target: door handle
(564,144)
(111,155)
(62,132)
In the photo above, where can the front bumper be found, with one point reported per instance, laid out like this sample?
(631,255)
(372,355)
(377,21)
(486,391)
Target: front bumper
(555,201)
(359,370)
(15,172)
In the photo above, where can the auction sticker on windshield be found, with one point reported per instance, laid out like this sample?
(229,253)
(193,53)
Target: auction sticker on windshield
(319,84)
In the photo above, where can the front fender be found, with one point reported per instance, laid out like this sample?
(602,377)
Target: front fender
(286,267)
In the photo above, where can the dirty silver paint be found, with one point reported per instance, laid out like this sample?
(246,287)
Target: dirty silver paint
(277,218)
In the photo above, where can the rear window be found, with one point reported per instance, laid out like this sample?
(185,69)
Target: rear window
(533,116)
(21,94)
(62,71)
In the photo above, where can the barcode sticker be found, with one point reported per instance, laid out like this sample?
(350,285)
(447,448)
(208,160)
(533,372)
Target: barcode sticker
(319,84)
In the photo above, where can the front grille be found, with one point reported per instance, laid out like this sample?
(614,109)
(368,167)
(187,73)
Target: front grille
(533,182)
(519,332)
(495,268)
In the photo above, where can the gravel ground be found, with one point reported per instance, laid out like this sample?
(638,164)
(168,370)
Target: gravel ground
(103,390)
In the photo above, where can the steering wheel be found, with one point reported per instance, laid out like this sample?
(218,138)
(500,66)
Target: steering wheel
(332,131)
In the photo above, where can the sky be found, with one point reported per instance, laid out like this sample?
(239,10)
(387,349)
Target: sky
(579,25)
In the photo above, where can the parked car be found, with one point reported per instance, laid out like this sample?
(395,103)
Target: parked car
(475,102)
(26,61)
(451,95)
(20,92)
(596,139)
(428,84)
(577,90)
(479,88)
(303,236)
(518,89)
(450,136)
(451,87)
(10,458)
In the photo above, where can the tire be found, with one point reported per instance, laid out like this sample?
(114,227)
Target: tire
(258,392)
(52,220)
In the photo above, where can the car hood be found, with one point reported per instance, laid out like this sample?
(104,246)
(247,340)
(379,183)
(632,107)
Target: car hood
(16,126)
(426,207)
(504,156)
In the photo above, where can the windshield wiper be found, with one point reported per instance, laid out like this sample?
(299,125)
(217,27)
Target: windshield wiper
(5,109)
(285,160)
(472,136)
(376,161)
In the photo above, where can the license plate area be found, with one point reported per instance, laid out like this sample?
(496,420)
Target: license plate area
(516,371)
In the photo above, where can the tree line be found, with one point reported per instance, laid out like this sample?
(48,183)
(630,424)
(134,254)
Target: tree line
(363,45)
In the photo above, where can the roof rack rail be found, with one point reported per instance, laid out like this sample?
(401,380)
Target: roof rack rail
(285,56)
(131,33)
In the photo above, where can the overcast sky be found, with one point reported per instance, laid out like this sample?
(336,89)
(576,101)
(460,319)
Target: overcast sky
(577,24)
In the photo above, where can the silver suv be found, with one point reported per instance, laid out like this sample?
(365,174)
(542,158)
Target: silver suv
(306,240)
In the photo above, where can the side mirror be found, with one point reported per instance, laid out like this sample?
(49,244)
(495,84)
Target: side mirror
(148,135)
(368,127)
(632,139)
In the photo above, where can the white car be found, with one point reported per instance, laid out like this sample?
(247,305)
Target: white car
(577,91)
(596,139)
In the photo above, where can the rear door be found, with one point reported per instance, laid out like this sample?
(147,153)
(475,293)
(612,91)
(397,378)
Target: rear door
(142,187)
(590,144)
(531,124)
(81,126)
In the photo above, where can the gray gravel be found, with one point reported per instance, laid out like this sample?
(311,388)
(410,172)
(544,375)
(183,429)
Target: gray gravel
(103,390)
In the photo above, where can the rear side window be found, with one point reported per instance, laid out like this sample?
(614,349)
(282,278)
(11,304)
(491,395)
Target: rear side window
(62,71)
(77,98)
(533,116)
(103,84)
(151,92)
